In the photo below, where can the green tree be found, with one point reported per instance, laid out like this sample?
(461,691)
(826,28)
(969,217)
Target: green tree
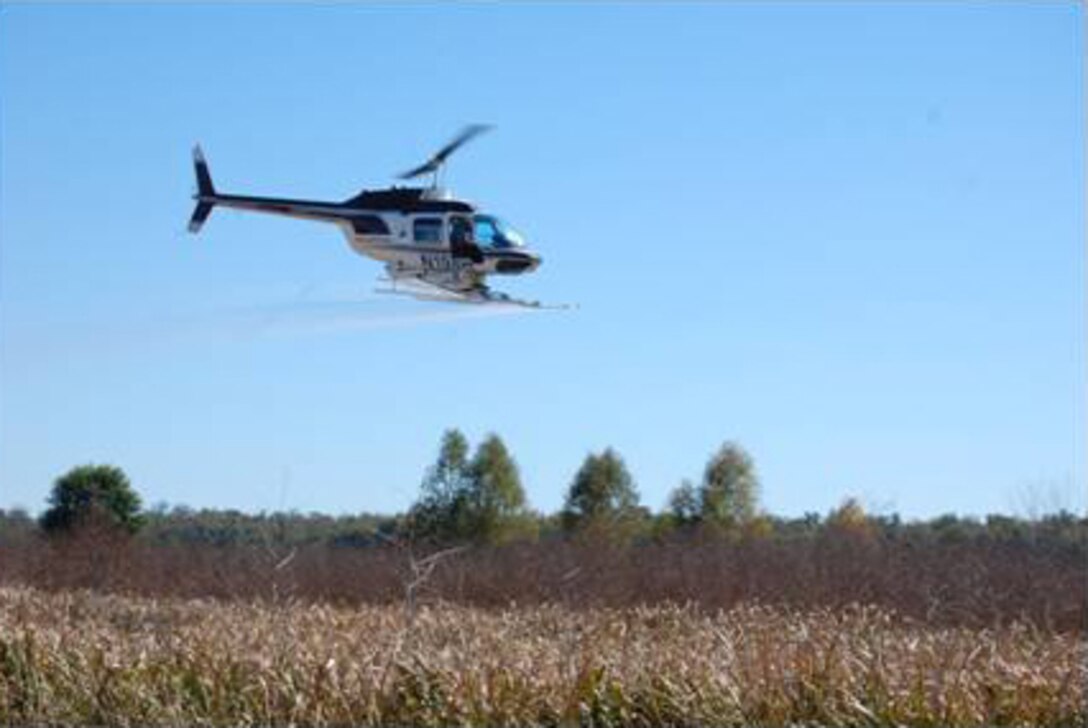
(602,493)
(441,513)
(496,500)
(92,494)
(729,494)
(684,505)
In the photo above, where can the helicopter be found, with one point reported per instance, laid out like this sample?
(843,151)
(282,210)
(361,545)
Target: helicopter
(434,246)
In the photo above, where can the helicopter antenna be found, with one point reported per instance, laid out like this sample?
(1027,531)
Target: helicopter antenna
(438,160)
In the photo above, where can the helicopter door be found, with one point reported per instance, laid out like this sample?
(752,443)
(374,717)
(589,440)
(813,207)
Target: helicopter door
(462,244)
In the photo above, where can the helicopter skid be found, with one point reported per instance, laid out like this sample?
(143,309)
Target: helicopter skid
(429,290)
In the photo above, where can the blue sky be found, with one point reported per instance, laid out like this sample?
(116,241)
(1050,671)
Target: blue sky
(848,236)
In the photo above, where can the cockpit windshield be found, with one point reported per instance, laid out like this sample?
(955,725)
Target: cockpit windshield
(490,231)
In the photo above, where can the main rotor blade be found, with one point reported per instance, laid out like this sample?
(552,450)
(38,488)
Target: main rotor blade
(469,132)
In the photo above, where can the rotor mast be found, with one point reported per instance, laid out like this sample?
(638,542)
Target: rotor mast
(437,162)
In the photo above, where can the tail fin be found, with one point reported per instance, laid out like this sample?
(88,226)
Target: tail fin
(205,195)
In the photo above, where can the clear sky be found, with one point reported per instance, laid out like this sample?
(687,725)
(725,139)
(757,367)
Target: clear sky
(848,236)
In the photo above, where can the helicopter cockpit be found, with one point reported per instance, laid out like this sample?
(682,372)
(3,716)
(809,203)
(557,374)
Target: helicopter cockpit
(492,232)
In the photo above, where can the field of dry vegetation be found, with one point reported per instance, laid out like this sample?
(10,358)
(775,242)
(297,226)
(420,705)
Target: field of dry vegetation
(830,627)
(962,583)
(86,658)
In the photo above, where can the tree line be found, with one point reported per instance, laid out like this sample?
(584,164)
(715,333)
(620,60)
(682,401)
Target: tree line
(480,498)
(477,497)
(465,497)
(711,544)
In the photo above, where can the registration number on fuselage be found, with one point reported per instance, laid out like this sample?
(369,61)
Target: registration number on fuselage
(443,262)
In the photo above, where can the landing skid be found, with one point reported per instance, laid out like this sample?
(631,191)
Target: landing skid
(424,291)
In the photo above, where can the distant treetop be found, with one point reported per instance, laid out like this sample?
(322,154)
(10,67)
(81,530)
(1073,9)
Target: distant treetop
(99,495)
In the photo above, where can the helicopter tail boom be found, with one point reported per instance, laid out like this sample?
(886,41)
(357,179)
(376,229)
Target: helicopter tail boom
(205,195)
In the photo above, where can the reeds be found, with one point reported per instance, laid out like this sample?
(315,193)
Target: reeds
(970,583)
(80,657)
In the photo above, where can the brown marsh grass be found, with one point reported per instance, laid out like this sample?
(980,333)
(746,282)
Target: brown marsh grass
(969,583)
(87,658)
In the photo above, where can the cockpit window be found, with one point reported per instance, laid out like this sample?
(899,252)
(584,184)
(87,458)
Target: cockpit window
(511,236)
(485,231)
(494,233)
